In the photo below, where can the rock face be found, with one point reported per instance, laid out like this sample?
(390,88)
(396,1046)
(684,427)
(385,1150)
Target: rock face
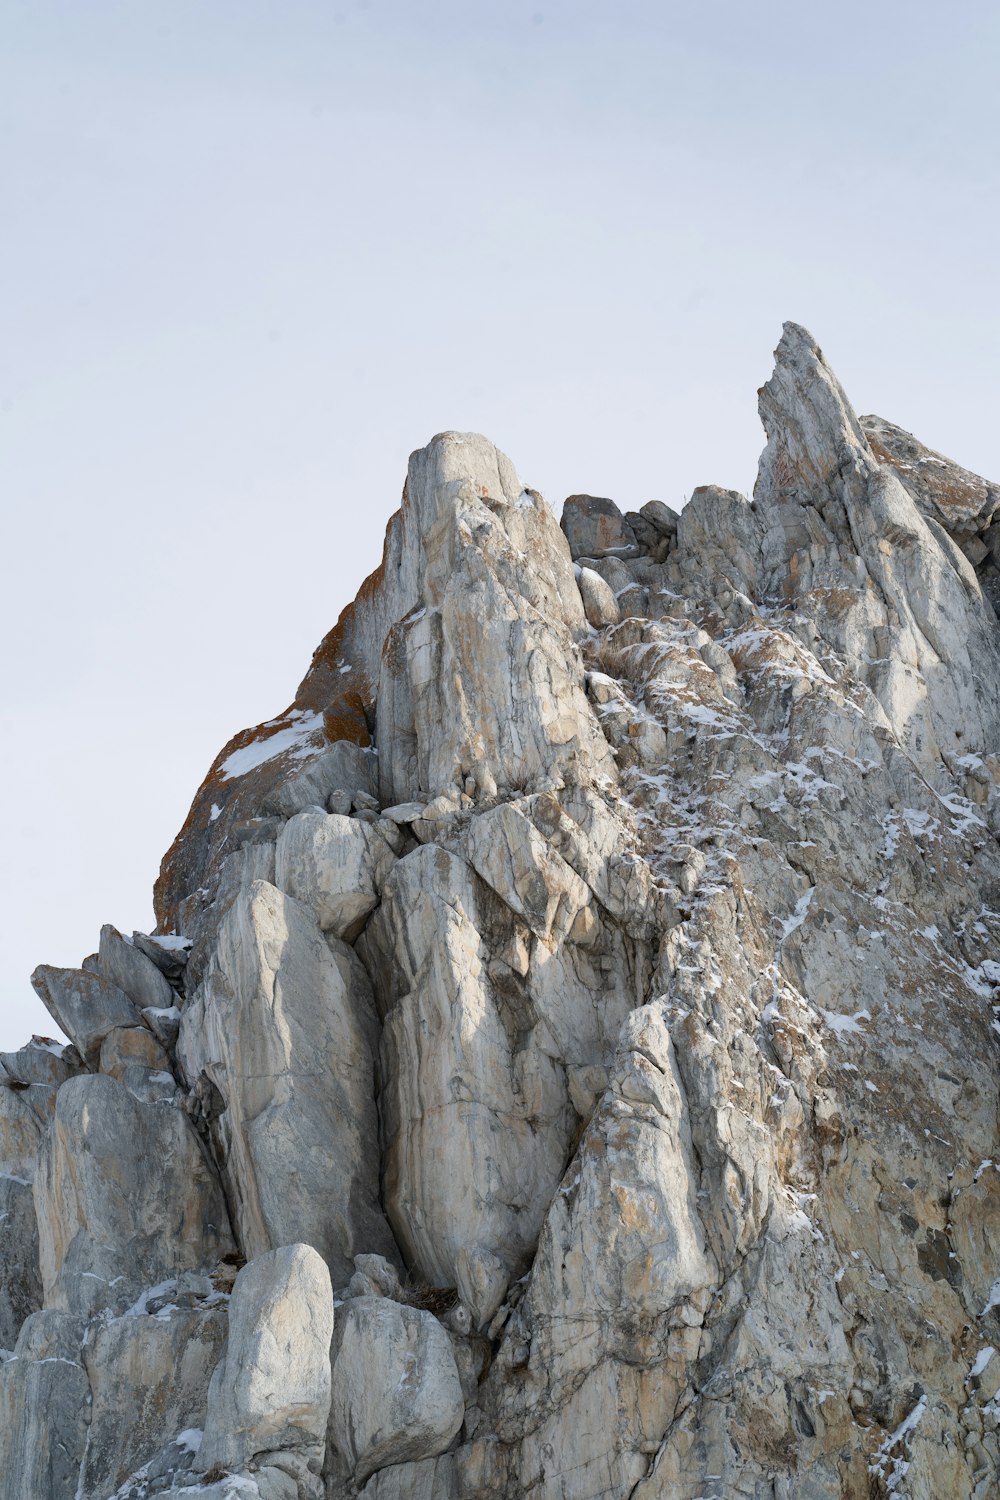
(109,1225)
(577,1014)
(278,1044)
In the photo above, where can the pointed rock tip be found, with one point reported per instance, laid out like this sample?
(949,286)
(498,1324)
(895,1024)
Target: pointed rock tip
(872,422)
(797,350)
(796,343)
(792,330)
(452,439)
(459,456)
(812,429)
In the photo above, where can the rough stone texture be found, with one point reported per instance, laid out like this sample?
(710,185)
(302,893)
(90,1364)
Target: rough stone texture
(343,767)
(20,1277)
(909,621)
(964,503)
(43,1416)
(136,975)
(131,1047)
(396,1391)
(149,1375)
(594,526)
(599,603)
(667,1043)
(277,1046)
(125,1197)
(85,1006)
(271,1392)
(476,1125)
(336,865)
(480,683)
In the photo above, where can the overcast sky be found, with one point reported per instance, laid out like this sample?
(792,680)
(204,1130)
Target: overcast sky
(252,254)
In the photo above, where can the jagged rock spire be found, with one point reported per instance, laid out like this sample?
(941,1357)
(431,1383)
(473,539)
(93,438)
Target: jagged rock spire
(583,999)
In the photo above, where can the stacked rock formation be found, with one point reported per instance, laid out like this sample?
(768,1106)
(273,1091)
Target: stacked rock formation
(566,1066)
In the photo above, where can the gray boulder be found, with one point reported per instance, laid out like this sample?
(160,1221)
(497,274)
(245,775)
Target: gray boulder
(662,517)
(127,966)
(336,865)
(132,1046)
(20,1278)
(272,1390)
(599,603)
(396,1389)
(85,1006)
(343,767)
(595,526)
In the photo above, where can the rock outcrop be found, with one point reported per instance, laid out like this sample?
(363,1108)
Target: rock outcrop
(566,1066)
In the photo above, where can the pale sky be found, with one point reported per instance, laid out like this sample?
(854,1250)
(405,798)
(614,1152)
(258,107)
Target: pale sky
(253,252)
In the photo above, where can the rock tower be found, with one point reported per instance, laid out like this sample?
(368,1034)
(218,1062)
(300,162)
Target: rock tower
(566,1064)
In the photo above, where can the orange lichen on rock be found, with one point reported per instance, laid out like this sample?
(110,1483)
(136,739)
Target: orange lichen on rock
(964,501)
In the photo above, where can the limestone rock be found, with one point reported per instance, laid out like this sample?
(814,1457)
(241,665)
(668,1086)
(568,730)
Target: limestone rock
(43,1415)
(20,1277)
(613,914)
(131,1045)
(36,1072)
(396,1391)
(281,1036)
(834,519)
(599,603)
(29,1080)
(336,866)
(622,1252)
(463,1104)
(149,1375)
(474,591)
(511,855)
(85,1006)
(479,681)
(665,520)
(135,974)
(168,951)
(965,504)
(108,1224)
(427,1479)
(595,527)
(272,1390)
(345,766)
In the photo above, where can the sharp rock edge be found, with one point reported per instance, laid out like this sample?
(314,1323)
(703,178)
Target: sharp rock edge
(566,1065)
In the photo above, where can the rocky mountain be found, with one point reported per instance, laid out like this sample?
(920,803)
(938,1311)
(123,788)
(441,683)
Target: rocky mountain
(566,1065)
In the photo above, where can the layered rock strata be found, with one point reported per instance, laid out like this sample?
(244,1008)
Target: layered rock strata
(566,1066)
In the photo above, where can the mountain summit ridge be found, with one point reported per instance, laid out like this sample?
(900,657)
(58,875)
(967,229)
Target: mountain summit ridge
(566,1066)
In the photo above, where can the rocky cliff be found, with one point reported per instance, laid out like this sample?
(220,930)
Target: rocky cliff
(566,1066)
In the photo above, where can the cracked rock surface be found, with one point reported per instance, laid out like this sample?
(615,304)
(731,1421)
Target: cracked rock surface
(566,1066)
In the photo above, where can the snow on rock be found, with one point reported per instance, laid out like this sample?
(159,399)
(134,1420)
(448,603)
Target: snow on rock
(587,1011)
(293,737)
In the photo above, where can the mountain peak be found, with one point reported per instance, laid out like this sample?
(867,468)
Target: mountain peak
(566,1065)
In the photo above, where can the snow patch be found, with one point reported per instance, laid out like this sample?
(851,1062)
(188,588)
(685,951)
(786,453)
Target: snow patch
(846,1025)
(893,1470)
(172,942)
(249,757)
